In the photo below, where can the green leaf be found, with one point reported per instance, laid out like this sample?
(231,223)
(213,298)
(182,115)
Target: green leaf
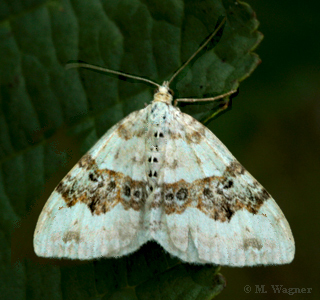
(50,117)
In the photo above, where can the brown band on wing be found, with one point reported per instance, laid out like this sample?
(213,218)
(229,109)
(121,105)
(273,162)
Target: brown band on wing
(192,134)
(127,130)
(217,196)
(101,189)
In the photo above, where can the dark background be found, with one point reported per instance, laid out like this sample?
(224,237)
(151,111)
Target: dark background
(273,129)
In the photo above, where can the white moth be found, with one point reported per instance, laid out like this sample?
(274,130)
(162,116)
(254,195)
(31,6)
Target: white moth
(161,175)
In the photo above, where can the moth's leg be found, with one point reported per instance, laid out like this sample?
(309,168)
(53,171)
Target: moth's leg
(218,111)
(203,99)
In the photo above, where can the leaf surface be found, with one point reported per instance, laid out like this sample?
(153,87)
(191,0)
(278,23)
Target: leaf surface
(50,117)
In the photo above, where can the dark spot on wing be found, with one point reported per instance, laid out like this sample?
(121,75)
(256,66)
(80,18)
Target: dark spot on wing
(193,137)
(86,162)
(136,194)
(127,191)
(228,210)
(92,177)
(182,194)
(169,196)
(253,243)
(70,236)
(208,193)
(111,186)
(235,169)
(228,185)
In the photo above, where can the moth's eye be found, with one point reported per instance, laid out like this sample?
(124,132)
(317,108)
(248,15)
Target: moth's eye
(156,90)
(171,92)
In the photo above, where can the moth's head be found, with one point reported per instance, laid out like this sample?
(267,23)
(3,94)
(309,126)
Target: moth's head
(163,94)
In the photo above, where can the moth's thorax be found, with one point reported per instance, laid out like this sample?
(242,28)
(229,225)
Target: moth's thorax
(159,117)
(163,94)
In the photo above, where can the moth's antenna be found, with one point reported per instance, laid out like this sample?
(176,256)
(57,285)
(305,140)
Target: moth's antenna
(194,54)
(92,67)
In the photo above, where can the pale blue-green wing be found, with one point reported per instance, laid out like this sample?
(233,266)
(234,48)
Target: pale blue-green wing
(97,209)
(211,210)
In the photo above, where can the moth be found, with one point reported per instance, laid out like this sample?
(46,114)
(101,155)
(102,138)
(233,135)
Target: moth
(161,175)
